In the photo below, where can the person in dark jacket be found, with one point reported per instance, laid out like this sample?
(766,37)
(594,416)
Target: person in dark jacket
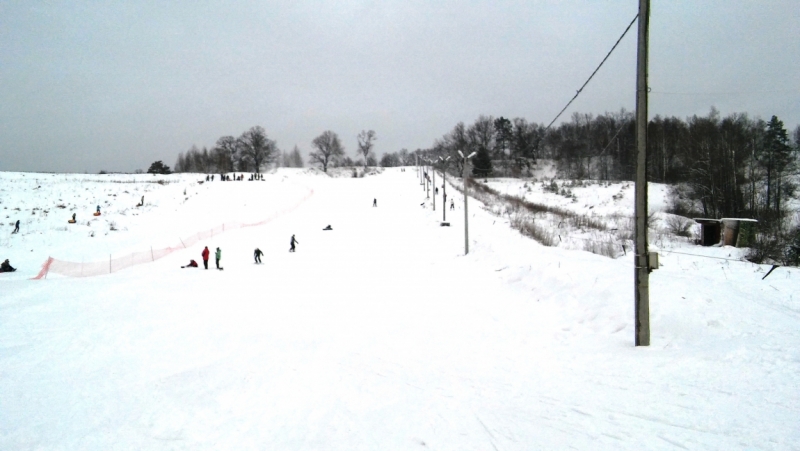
(192,264)
(204,254)
(374,202)
(6,267)
(16,228)
(257,255)
(292,243)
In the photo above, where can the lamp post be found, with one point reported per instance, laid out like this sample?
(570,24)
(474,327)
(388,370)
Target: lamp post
(444,188)
(464,176)
(427,181)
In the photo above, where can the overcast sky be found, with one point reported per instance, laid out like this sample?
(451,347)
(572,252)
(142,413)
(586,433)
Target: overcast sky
(90,86)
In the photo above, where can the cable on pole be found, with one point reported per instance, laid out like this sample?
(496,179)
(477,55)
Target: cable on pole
(595,71)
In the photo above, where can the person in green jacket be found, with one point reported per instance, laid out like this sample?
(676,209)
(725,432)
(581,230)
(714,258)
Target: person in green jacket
(218,256)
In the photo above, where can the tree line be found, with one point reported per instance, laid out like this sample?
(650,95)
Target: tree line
(254,151)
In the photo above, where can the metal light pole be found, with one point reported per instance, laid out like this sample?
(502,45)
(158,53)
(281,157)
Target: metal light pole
(464,177)
(427,181)
(433,169)
(444,187)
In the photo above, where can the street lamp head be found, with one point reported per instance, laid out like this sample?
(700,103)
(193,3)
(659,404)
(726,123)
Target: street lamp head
(461,154)
(471,155)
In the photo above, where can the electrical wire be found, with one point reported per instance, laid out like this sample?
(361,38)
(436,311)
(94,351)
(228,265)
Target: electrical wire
(595,71)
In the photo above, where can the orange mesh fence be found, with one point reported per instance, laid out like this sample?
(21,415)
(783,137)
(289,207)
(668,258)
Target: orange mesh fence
(96,268)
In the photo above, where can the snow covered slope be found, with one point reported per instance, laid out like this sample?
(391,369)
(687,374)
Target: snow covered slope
(379,334)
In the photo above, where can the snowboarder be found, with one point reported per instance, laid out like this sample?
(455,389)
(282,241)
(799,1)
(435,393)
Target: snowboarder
(192,264)
(218,256)
(452,205)
(204,254)
(16,227)
(6,267)
(374,202)
(257,255)
(292,243)
(328,227)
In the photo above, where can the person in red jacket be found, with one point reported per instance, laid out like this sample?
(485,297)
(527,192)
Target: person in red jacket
(205,257)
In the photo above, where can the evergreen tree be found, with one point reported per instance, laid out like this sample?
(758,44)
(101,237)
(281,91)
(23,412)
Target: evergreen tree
(482,164)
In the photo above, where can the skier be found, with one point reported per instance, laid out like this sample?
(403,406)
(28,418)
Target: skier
(204,254)
(6,267)
(257,255)
(452,205)
(218,256)
(374,202)
(292,243)
(16,228)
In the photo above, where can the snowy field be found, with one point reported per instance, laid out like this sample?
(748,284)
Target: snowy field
(379,334)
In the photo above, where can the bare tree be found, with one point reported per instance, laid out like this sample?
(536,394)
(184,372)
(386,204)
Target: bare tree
(256,149)
(226,150)
(365,143)
(329,149)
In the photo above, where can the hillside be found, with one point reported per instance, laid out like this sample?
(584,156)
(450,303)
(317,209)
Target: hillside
(379,334)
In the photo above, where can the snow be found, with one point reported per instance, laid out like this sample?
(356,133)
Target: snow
(379,334)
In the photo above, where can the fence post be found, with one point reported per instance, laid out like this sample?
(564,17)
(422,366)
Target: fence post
(151,254)
(109,263)
(184,246)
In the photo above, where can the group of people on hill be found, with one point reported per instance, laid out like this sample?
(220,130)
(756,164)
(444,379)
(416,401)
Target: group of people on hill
(236,177)
(257,253)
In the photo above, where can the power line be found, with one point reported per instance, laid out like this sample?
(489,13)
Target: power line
(595,71)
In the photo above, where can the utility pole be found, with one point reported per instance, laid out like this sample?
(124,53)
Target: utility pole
(642,258)
(464,177)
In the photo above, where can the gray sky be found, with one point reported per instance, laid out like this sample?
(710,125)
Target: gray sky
(89,86)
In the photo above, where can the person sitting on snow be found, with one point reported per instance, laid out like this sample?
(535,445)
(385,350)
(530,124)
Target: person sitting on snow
(192,264)
(328,228)
(6,267)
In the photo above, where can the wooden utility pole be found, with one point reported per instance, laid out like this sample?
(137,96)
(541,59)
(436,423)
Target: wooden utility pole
(642,266)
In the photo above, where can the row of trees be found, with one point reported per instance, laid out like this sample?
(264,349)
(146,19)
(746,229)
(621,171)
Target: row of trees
(250,152)
(253,151)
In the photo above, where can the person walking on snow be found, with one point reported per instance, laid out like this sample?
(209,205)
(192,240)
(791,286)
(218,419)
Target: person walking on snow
(292,243)
(452,205)
(374,202)
(257,255)
(204,254)
(218,256)
(16,228)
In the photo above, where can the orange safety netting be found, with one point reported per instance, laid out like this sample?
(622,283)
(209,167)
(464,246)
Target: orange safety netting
(96,268)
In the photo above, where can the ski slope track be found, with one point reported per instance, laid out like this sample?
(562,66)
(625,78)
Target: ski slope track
(380,334)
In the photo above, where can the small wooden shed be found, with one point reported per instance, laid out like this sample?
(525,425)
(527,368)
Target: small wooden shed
(738,232)
(709,231)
